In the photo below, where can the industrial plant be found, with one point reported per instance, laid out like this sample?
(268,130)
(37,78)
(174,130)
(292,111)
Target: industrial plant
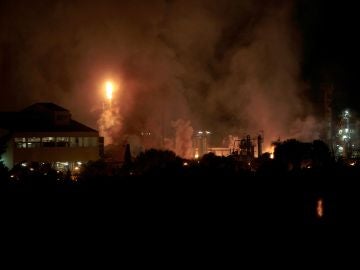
(246,148)
(342,130)
(45,132)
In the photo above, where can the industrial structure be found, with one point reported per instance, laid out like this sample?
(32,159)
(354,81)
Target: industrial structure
(244,148)
(45,132)
(201,143)
(341,134)
(346,139)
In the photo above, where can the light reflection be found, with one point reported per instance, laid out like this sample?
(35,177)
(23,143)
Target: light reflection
(320,208)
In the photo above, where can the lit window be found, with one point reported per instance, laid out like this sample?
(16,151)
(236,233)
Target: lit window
(80,141)
(33,142)
(20,142)
(86,142)
(74,142)
(48,141)
(90,141)
(62,141)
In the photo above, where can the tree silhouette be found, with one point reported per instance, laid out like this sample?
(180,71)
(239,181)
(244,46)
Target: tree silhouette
(157,162)
(321,154)
(291,153)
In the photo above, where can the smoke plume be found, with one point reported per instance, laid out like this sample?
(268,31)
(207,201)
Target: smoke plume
(110,123)
(231,67)
(183,141)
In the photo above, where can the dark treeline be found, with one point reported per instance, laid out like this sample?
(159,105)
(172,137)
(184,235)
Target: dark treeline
(286,188)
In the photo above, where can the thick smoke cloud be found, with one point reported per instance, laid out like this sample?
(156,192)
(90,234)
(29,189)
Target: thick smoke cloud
(228,66)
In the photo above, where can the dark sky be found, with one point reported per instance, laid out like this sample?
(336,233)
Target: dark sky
(227,65)
(331,47)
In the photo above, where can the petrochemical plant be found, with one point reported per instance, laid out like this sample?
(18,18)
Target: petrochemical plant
(341,132)
(246,148)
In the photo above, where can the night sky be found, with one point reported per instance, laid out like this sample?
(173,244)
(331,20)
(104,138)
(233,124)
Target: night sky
(331,47)
(228,66)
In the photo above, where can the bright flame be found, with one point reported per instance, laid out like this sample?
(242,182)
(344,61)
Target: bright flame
(109,87)
(320,208)
(270,150)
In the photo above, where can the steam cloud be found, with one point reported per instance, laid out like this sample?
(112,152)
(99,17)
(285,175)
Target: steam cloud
(231,67)
(110,123)
(183,142)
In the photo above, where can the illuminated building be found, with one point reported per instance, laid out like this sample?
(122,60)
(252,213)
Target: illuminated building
(346,141)
(45,132)
(201,143)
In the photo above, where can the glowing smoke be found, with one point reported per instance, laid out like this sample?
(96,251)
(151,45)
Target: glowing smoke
(183,138)
(230,66)
(263,90)
(110,123)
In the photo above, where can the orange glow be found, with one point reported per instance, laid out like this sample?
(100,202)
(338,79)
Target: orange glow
(320,208)
(270,150)
(109,87)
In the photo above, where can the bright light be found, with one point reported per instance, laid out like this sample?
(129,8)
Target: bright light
(23,164)
(109,87)
(196,156)
(32,169)
(270,150)
(320,208)
(346,130)
(185,163)
(77,168)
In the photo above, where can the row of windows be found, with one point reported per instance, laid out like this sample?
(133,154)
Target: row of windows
(36,142)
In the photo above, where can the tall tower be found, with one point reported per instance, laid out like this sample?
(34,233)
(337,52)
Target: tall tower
(259,145)
(344,143)
(346,134)
(202,142)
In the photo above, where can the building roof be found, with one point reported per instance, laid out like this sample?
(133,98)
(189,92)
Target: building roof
(39,117)
(46,105)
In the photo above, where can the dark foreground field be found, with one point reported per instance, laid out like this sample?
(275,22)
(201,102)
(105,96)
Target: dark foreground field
(225,202)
